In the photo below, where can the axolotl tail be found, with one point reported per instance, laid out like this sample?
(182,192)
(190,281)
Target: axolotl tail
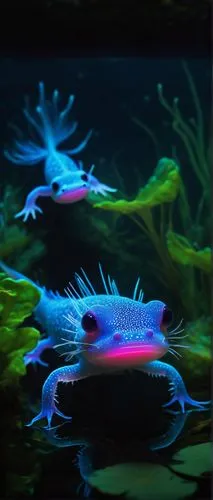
(15,275)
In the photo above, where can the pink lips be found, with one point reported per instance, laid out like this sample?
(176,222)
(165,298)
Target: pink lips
(130,355)
(73,196)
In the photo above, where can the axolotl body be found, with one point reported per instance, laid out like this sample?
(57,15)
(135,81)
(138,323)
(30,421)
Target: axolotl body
(106,333)
(66,179)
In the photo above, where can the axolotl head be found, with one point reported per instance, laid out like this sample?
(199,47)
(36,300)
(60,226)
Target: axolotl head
(76,185)
(121,332)
(71,187)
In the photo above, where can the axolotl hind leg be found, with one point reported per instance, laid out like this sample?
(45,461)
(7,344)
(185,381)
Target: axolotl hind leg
(70,373)
(177,386)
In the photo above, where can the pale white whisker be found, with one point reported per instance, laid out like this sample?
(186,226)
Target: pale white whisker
(175,353)
(71,354)
(178,338)
(77,304)
(74,342)
(176,333)
(73,321)
(74,304)
(69,330)
(176,328)
(180,345)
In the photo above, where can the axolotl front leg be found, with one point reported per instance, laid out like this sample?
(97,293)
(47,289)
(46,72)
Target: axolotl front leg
(66,374)
(30,207)
(177,386)
(34,356)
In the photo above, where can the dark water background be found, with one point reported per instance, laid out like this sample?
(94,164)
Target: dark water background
(117,413)
(108,92)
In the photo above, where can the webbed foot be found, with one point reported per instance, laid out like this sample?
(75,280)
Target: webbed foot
(34,356)
(102,189)
(48,414)
(27,212)
(30,357)
(185,398)
(62,374)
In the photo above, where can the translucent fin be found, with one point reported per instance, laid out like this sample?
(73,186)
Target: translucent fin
(51,123)
(51,127)
(25,153)
(81,146)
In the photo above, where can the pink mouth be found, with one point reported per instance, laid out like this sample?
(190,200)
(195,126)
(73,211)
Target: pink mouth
(129,355)
(73,196)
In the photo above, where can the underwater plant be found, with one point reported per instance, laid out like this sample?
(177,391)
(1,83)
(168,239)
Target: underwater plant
(184,255)
(183,252)
(17,245)
(107,234)
(161,189)
(17,300)
(185,260)
(198,359)
(191,132)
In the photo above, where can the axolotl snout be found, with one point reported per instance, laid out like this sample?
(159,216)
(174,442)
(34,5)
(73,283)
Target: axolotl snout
(76,186)
(105,333)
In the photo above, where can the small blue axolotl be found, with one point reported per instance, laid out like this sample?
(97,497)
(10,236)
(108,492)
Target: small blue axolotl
(67,181)
(107,333)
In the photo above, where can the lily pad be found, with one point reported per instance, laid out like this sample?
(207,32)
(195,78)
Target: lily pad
(141,481)
(194,459)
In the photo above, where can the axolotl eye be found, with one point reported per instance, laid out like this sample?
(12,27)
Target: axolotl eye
(167,317)
(89,322)
(55,186)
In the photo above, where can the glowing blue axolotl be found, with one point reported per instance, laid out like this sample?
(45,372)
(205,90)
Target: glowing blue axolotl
(67,181)
(107,333)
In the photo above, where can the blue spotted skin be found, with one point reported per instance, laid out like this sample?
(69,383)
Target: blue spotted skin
(124,326)
(66,180)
